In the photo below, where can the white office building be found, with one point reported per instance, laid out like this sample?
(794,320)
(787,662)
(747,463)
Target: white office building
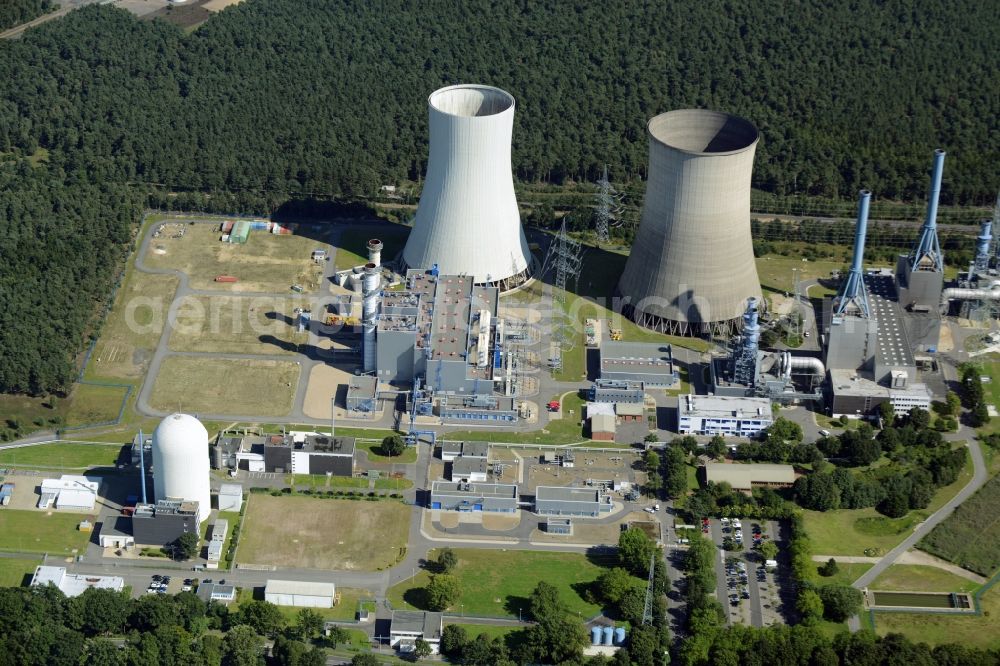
(726,416)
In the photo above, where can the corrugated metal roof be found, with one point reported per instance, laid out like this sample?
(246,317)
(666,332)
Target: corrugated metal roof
(299,587)
(741,476)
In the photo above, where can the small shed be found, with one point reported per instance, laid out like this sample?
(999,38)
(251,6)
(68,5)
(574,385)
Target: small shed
(230,497)
(602,427)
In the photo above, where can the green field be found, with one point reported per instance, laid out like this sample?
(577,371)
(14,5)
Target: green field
(374,450)
(970,537)
(847,573)
(201,384)
(61,455)
(921,578)
(13,570)
(30,414)
(41,532)
(91,403)
(490,586)
(775,271)
(982,631)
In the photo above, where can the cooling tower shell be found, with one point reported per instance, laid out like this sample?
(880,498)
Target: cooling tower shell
(181,463)
(467,221)
(691,268)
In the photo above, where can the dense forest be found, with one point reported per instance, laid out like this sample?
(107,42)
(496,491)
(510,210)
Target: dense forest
(277,100)
(16,12)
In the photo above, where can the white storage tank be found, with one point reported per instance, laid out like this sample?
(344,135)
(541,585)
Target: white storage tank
(181,463)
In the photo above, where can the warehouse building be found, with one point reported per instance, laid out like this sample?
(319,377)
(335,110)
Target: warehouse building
(719,415)
(452,450)
(70,492)
(230,497)
(650,364)
(571,501)
(746,477)
(163,523)
(304,594)
(406,627)
(459,496)
(73,585)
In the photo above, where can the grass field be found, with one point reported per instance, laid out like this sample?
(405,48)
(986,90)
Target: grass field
(353,245)
(970,537)
(490,588)
(775,271)
(238,324)
(13,570)
(134,325)
(851,532)
(847,573)
(217,386)
(41,532)
(77,456)
(326,534)
(373,450)
(266,263)
(33,413)
(920,578)
(90,403)
(982,631)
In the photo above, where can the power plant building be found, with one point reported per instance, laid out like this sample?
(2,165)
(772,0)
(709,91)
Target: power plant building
(467,222)
(572,501)
(163,523)
(726,416)
(691,268)
(297,453)
(180,462)
(648,364)
(462,496)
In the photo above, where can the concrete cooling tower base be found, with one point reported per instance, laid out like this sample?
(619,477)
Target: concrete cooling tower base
(724,328)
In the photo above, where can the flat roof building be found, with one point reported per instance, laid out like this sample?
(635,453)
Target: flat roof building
(721,415)
(230,497)
(209,592)
(571,501)
(406,627)
(71,492)
(649,363)
(163,523)
(297,453)
(744,477)
(306,594)
(451,450)
(458,496)
(73,585)
(469,469)
(852,394)
(602,427)
(361,391)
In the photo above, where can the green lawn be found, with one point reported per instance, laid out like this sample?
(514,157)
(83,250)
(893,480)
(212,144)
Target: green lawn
(374,450)
(13,570)
(62,455)
(497,583)
(846,574)
(40,532)
(920,578)
(981,631)
(775,271)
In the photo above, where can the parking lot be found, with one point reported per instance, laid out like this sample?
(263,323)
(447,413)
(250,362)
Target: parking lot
(169,585)
(752,593)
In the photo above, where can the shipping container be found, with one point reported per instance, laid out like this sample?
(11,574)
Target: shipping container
(226,278)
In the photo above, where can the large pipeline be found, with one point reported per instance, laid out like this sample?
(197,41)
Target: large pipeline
(809,363)
(991,293)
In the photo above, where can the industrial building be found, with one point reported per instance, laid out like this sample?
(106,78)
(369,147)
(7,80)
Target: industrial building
(617,391)
(644,364)
(215,544)
(230,497)
(361,393)
(406,627)
(73,585)
(469,470)
(853,395)
(571,501)
(561,526)
(603,426)
(691,268)
(180,463)
(452,449)
(303,594)
(461,496)
(920,274)
(297,453)
(223,594)
(163,523)
(467,222)
(720,415)
(69,492)
(746,477)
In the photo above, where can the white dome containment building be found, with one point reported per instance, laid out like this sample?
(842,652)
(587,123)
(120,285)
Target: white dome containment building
(180,462)
(691,269)
(467,221)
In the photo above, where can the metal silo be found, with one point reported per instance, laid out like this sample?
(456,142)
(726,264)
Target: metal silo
(691,268)
(180,462)
(467,221)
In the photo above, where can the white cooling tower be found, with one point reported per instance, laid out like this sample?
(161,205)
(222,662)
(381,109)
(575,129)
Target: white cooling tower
(467,221)
(180,462)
